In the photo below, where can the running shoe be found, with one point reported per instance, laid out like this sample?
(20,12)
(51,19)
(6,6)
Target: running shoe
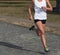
(46,49)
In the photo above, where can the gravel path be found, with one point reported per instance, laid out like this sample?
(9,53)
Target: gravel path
(19,40)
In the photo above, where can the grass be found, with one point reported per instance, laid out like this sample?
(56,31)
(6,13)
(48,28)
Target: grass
(20,12)
(14,5)
(54,18)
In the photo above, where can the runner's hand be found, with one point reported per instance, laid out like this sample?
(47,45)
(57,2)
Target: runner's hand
(44,8)
(31,18)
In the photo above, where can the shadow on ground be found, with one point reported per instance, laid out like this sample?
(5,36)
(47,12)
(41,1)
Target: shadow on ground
(9,45)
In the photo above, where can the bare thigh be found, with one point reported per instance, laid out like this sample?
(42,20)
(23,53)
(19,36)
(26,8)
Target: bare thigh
(40,27)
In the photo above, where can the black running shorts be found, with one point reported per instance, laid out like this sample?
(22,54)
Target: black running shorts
(43,21)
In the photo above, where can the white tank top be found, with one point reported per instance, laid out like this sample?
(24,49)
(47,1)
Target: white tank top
(39,12)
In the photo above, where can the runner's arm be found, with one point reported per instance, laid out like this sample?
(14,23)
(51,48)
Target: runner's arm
(49,8)
(30,10)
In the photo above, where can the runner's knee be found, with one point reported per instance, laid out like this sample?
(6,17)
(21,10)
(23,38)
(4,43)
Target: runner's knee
(42,32)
